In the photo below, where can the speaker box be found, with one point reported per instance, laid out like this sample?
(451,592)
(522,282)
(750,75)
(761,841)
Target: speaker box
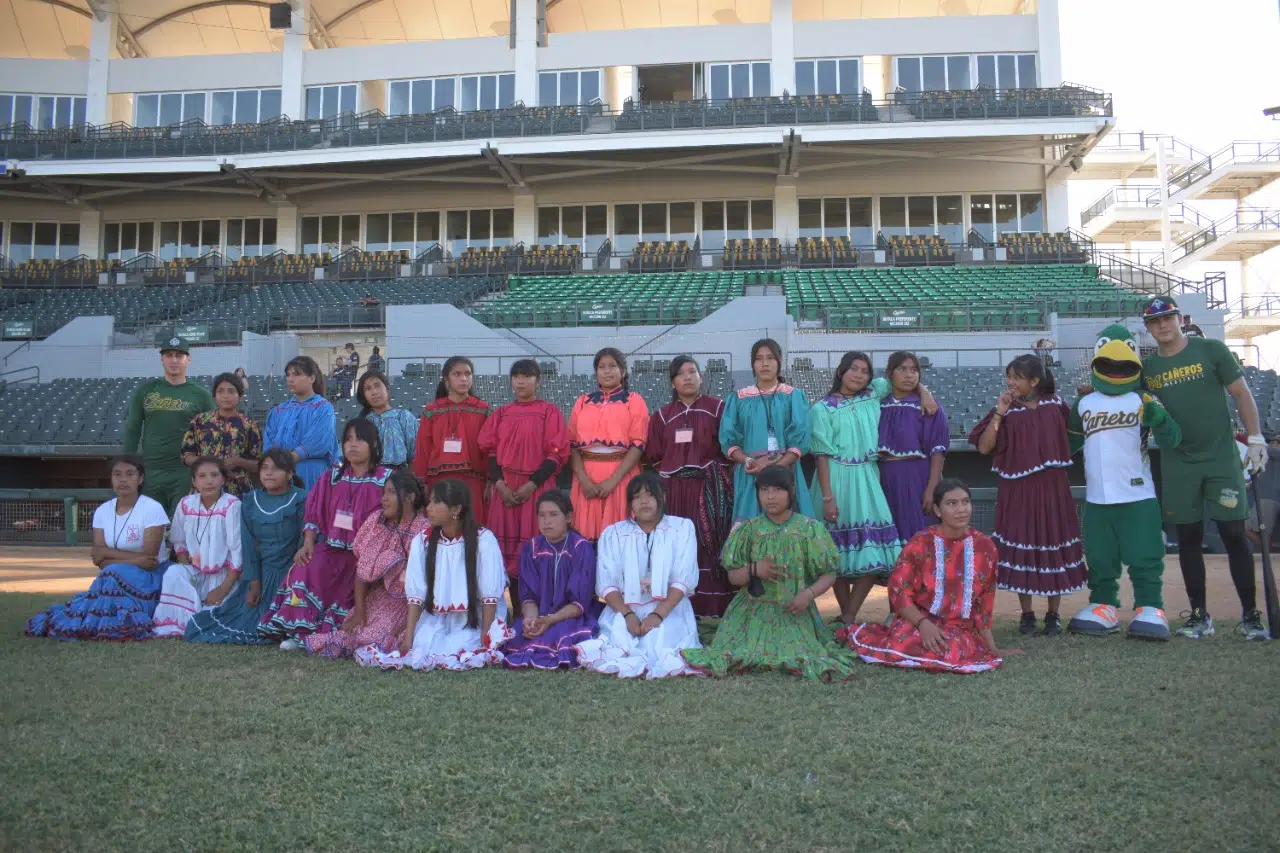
(281,16)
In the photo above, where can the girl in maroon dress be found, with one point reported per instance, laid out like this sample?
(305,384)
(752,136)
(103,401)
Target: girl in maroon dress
(684,446)
(527,445)
(942,592)
(449,435)
(1037,530)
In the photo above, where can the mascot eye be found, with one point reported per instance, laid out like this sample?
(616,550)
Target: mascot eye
(1132,345)
(1102,342)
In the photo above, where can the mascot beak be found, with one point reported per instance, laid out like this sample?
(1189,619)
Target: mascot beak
(1116,362)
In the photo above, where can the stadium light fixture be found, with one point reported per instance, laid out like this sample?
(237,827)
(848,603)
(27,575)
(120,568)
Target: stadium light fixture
(1272,112)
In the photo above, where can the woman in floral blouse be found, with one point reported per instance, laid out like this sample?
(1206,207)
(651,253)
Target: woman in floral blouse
(226,434)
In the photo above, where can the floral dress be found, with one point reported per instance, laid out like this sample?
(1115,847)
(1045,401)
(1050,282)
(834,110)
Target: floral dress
(760,633)
(211,434)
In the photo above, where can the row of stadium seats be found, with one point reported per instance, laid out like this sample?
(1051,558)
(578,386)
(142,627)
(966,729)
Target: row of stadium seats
(917,250)
(659,255)
(1043,248)
(740,112)
(825,252)
(92,411)
(753,253)
(988,103)
(133,307)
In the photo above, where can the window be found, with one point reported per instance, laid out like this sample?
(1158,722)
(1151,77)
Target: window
(1006,213)
(168,108)
(837,217)
(244,106)
(250,238)
(43,112)
(402,232)
(922,215)
(189,239)
(331,234)
(933,73)
(893,216)
(420,97)
(568,88)
(735,220)
(583,225)
(480,228)
(126,240)
(739,80)
(1007,71)
(827,77)
(486,92)
(951,218)
(328,101)
(42,241)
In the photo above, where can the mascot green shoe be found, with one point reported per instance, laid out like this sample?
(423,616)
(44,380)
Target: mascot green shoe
(1122,522)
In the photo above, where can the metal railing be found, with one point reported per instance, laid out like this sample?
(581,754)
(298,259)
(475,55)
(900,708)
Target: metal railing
(49,516)
(1142,141)
(1144,197)
(1256,305)
(1235,152)
(1243,220)
(194,138)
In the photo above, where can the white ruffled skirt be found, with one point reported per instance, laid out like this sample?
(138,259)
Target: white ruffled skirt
(182,595)
(655,655)
(443,641)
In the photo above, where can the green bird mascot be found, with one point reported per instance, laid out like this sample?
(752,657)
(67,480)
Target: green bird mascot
(1122,522)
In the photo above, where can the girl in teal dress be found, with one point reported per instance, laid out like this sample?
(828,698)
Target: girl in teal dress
(765,424)
(845,429)
(782,561)
(271,533)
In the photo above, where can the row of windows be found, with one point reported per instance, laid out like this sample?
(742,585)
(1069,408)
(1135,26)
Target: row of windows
(44,112)
(966,71)
(466,94)
(240,106)
(41,241)
(861,218)
(192,238)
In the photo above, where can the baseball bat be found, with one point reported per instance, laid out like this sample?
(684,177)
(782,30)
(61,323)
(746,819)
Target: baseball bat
(1268,578)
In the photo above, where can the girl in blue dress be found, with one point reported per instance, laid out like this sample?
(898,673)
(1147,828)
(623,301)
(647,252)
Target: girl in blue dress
(397,427)
(765,424)
(304,425)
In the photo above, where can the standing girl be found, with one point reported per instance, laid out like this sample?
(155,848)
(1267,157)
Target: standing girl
(270,533)
(684,446)
(206,548)
(318,592)
(226,434)
(457,618)
(128,549)
(557,591)
(913,447)
(765,424)
(1037,531)
(942,592)
(607,431)
(448,442)
(303,426)
(377,618)
(397,428)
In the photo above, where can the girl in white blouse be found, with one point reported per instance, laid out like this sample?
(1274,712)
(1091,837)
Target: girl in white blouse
(646,569)
(205,535)
(454,581)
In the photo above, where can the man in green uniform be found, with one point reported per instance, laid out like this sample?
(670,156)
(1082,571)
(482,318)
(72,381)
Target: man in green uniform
(1191,377)
(159,413)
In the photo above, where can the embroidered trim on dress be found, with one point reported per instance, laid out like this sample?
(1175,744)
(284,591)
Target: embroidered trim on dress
(996,536)
(1041,467)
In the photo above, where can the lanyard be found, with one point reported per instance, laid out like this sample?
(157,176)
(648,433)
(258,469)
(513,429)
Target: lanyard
(768,408)
(115,524)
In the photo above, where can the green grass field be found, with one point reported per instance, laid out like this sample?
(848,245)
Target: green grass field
(1077,745)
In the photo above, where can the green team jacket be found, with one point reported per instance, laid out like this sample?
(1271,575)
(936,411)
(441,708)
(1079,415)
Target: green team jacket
(159,414)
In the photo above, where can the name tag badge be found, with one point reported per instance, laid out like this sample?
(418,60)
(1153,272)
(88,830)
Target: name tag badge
(453,445)
(1137,481)
(344,520)
(684,436)
(646,589)
(773,443)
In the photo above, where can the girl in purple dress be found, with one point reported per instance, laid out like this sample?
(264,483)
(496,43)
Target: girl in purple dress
(913,446)
(557,591)
(1037,530)
(319,590)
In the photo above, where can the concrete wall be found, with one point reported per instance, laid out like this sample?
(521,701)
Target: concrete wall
(195,73)
(44,76)
(905,36)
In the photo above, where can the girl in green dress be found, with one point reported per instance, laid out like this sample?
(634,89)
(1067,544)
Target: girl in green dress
(782,561)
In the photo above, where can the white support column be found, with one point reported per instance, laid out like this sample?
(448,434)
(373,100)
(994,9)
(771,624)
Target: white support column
(102,38)
(287,236)
(786,210)
(91,233)
(1050,42)
(292,96)
(782,58)
(526,216)
(525,25)
(1166,230)
(1057,213)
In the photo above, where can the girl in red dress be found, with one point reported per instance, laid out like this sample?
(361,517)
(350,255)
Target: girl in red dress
(448,435)
(942,592)
(527,445)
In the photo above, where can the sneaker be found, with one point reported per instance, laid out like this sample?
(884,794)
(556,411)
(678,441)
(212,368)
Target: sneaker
(1199,624)
(290,645)
(1052,625)
(1252,628)
(1028,624)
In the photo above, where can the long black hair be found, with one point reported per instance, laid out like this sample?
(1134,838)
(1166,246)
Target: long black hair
(846,362)
(231,379)
(898,359)
(306,365)
(135,461)
(949,484)
(442,388)
(369,376)
(283,460)
(209,460)
(778,477)
(618,358)
(648,481)
(408,489)
(561,499)
(452,493)
(526,367)
(366,431)
(1032,367)
(772,346)
(673,370)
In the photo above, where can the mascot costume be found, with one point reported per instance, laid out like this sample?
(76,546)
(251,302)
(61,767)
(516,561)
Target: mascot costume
(1122,521)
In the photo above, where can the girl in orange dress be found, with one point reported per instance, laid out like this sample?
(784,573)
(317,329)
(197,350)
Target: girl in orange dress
(448,443)
(607,432)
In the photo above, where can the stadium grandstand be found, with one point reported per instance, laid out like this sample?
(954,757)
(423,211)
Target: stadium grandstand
(554,176)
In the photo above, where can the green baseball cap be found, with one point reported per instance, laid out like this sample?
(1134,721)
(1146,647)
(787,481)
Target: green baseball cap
(175,343)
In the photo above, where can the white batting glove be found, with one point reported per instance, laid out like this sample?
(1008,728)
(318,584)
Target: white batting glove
(1257,458)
